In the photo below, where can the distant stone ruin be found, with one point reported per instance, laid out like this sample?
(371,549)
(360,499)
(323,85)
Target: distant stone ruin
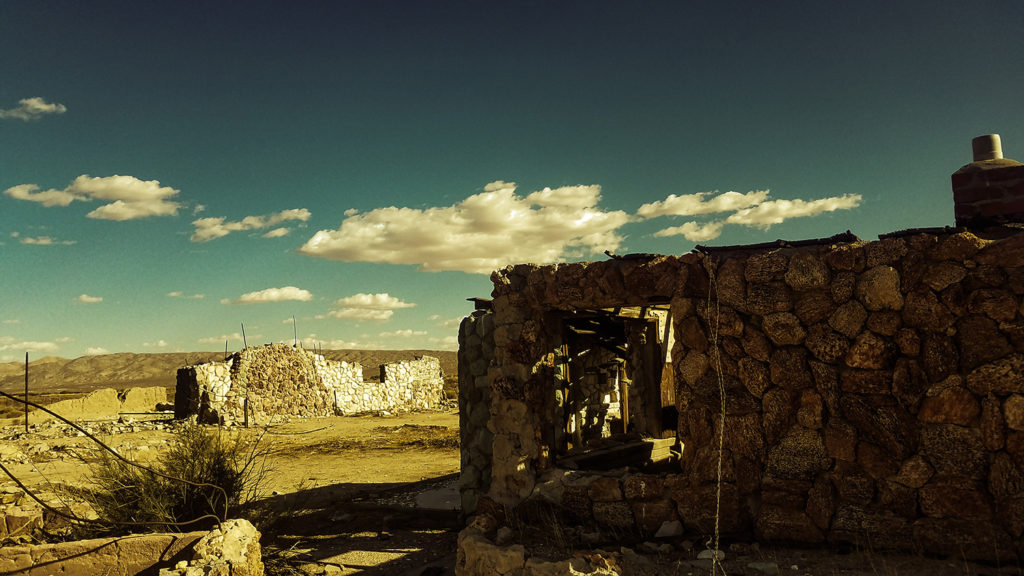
(842,391)
(257,384)
(102,404)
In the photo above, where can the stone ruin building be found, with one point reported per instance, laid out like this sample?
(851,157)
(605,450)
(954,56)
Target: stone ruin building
(256,384)
(867,392)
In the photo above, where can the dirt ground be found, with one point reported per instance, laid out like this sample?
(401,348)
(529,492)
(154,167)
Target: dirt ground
(376,496)
(341,491)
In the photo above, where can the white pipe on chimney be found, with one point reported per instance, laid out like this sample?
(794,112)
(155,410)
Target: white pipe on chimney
(987,147)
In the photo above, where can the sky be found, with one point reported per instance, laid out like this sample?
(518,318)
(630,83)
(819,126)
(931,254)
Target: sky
(347,173)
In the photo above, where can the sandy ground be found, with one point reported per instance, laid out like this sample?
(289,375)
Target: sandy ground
(375,496)
(340,496)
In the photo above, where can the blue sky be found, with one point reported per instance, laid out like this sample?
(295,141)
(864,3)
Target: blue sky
(171,170)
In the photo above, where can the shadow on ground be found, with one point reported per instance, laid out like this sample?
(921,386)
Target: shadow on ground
(372,529)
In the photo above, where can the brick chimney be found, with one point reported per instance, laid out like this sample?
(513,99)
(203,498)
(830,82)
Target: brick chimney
(989,191)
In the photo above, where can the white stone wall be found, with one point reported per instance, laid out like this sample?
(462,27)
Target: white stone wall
(258,384)
(215,377)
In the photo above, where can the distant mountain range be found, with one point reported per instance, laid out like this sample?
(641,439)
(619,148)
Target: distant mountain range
(125,370)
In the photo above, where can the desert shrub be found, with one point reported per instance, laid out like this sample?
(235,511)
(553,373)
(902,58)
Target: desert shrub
(205,476)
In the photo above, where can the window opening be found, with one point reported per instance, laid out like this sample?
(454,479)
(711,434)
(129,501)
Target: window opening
(614,394)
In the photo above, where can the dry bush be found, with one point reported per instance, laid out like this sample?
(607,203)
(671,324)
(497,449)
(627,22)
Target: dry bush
(205,477)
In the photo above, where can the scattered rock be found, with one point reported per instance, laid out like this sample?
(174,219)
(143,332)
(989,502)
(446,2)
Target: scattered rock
(711,555)
(670,529)
(769,568)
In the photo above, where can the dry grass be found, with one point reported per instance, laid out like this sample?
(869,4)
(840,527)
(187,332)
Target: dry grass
(206,476)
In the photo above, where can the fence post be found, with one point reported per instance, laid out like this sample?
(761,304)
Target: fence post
(26,392)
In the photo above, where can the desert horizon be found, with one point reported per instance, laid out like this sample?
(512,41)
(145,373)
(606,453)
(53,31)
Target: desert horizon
(53,374)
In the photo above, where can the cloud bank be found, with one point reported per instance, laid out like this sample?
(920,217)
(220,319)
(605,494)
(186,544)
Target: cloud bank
(272,295)
(233,337)
(29,109)
(11,344)
(86,299)
(207,229)
(497,227)
(694,204)
(127,197)
(479,234)
(407,333)
(753,209)
(45,241)
(367,307)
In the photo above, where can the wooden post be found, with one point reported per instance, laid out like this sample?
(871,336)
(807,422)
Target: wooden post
(624,392)
(295,333)
(244,345)
(26,392)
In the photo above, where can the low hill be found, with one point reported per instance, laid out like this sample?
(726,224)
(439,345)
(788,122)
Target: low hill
(125,370)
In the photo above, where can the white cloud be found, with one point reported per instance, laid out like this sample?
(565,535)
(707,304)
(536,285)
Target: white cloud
(233,337)
(128,197)
(277,233)
(693,231)
(445,343)
(11,344)
(312,342)
(447,324)
(403,334)
(48,198)
(180,294)
(12,321)
(694,204)
(45,241)
(86,299)
(360,314)
(96,351)
(207,229)
(32,109)
(272,295)
(479,234)
(370,307)
(157,344)
(753,209)
(382,301)
(765,214)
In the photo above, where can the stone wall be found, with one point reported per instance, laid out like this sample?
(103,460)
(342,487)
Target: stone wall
(257,384)
(476,347)
(123,556)
(231,548)
(872,389)
(102,404)
(415,384)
